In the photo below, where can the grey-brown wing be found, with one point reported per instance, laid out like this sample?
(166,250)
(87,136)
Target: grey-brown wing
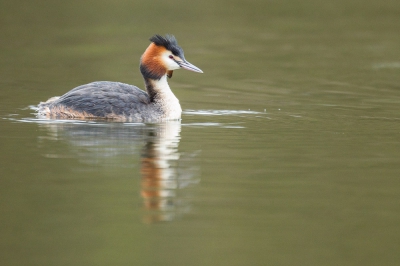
(105,97)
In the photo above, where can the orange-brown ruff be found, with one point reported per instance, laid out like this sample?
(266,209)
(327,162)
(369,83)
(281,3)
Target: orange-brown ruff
(124,102)
(151,59)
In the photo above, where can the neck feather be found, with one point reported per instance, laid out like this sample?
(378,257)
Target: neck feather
(162,96)
(158,89)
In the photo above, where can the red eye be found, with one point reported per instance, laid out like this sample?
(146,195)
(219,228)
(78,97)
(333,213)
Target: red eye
(170,56)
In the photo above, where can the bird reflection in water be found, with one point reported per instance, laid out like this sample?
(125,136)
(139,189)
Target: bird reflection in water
(167,176)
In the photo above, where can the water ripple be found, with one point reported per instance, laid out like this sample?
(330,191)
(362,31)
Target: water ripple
(219,112)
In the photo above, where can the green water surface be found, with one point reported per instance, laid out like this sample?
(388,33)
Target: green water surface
(288,152)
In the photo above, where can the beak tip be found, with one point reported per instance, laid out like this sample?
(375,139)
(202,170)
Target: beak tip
(188,66)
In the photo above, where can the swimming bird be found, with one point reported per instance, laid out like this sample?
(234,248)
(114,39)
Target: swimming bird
(123,102)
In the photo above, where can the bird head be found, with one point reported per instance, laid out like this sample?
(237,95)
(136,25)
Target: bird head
(162,57)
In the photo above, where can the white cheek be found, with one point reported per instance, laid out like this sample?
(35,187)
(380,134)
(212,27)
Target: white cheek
(168,62)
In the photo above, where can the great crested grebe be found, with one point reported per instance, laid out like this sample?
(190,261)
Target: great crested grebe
(123,102)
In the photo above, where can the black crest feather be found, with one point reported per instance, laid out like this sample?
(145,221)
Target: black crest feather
(169,42)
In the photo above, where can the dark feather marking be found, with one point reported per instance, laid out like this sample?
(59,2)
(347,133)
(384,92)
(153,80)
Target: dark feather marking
(147,73)
(169,42)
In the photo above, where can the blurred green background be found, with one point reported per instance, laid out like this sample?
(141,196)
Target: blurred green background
(288,151)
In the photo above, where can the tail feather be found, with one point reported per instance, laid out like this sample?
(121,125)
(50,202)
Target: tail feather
(43,107)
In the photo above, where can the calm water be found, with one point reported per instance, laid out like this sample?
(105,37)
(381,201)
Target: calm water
(288,152)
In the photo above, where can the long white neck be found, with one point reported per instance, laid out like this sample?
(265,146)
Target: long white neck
(162,96)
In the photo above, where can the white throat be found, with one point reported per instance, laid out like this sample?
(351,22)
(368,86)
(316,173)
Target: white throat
(166,99)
